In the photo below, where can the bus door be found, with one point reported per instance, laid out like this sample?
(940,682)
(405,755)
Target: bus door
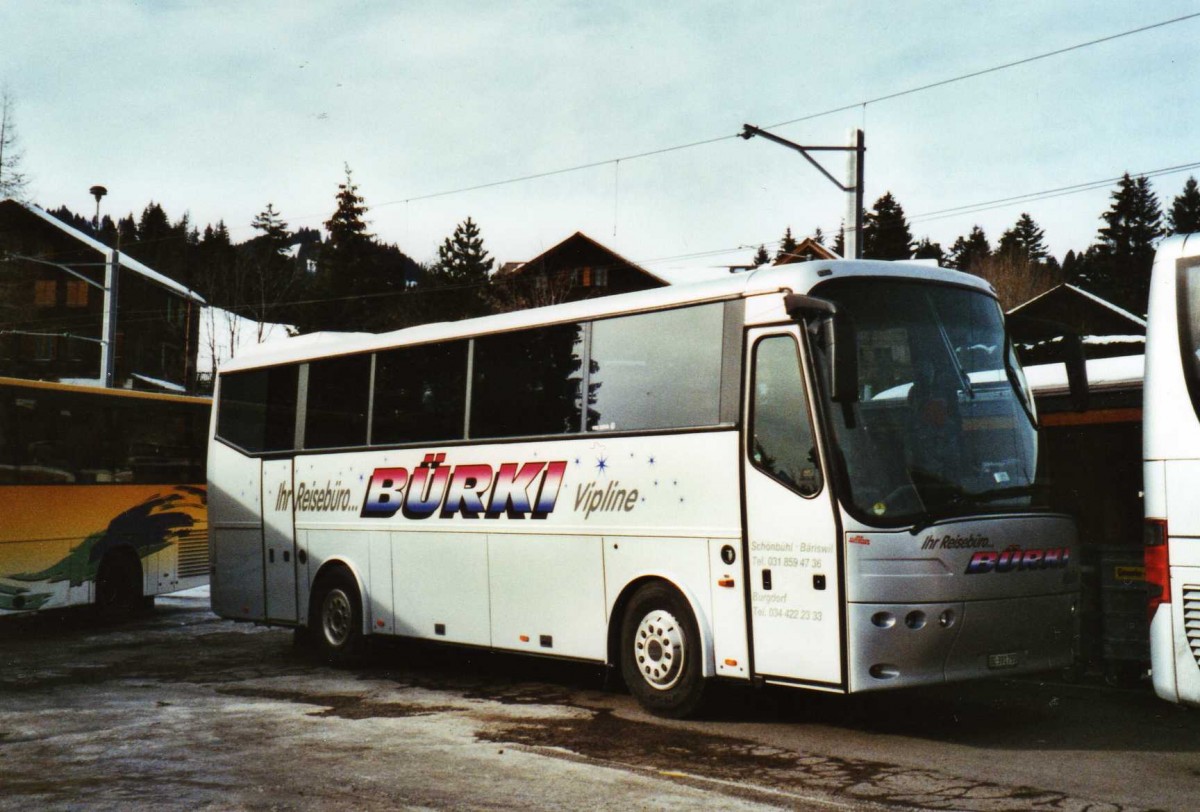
(791,529)
(279,540)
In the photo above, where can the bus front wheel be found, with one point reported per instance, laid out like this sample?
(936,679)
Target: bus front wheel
(335,625)
(660,652)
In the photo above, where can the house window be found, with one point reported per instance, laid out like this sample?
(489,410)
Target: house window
(44,347)
(77,293)
(45,293)
(175,309)
(589,277)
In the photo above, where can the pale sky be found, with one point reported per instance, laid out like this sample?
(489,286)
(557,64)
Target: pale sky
(217,108)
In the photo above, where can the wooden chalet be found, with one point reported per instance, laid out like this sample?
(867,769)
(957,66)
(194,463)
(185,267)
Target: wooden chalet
(576,268)
(807,250)
(52,302)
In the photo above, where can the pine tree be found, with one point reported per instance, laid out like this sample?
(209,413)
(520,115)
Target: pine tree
(1025,240)
(787,245)
(359,284)
(839,242)
(968,251)
(216,256)
(1184,217)
(265,270)
(347,229)
(457,283)
(127,231)
(344,272)
(761,257)
(462,259)
(271,226)
(1117,266)
(108,231)
(818,236)
(1134,222)
(927,249)
(13,182)
(1021,267)
(885,231)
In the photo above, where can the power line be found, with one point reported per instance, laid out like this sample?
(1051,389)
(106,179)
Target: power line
(808,117)
(717,139)
(985,71)
(1046,194)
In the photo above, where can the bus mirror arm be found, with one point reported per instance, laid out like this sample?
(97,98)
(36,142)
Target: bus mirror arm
(837,338)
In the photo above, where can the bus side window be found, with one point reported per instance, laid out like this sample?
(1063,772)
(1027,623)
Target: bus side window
(420,394)
(336,412)
(781,436)
(656,370)
(257,409)
(527,382)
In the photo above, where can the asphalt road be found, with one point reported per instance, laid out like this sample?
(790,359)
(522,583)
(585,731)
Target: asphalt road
(182,710)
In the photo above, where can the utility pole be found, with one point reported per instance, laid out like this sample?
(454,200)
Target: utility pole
(854,178)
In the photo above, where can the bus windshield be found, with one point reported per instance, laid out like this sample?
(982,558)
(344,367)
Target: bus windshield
(944,423)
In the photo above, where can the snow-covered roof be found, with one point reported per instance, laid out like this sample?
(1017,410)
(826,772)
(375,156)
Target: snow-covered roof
(1120,372)
(167,386)
(687,273)
(799,278)
(224,335)
(127,261)
(1091,296)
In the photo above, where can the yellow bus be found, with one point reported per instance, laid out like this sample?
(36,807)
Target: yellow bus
(102,496)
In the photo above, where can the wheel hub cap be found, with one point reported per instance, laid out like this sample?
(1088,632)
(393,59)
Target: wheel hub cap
(336,616)
(658,649)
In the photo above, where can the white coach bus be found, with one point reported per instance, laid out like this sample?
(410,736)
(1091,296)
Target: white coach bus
(824,475)
(1171,468)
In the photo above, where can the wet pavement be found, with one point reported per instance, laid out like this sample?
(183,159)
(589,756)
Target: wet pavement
(182,710)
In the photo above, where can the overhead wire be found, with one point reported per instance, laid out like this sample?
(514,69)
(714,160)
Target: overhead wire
(863,104)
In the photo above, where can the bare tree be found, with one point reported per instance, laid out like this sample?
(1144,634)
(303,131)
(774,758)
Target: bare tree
(1015,278)
(13,181)
(528,287)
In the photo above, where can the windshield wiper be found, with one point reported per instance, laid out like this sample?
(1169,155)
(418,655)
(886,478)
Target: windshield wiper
(963,378)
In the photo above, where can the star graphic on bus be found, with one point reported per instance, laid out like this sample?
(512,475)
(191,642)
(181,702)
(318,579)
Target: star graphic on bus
(602,465)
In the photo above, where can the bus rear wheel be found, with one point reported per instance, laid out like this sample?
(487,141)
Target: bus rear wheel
(335,622)
(660,652)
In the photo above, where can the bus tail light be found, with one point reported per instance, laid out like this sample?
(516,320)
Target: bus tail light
(1158,567)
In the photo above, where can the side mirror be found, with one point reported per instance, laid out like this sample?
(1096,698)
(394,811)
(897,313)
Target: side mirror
(837,337)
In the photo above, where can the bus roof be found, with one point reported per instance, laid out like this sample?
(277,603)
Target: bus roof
(797,277)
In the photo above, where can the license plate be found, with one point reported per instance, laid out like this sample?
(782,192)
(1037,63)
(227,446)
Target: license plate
(1004,660)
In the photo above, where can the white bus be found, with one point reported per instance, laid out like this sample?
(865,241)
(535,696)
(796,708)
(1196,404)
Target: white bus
(1171,468)
(823,475)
